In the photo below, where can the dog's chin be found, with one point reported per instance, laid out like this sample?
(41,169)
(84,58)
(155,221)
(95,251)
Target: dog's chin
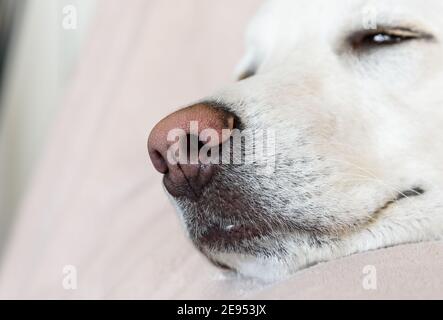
(244,266)
(243,251)
(241,247)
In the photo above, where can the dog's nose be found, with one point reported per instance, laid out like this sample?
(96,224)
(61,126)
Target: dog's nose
(189,177)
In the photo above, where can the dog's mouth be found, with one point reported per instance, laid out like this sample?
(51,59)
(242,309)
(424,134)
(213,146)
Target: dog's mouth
(406,194)
(250,236)
(242,238)
(247,237)
(231,234)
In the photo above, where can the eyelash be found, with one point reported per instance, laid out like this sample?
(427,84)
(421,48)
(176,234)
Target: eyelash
(364,40)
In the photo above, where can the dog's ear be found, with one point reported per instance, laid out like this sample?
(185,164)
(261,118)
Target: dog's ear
(247,66)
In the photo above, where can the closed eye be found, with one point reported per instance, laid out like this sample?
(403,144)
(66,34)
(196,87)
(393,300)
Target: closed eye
(384,37)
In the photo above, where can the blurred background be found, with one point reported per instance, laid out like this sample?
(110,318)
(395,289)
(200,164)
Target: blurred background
(39,46)
(82,82)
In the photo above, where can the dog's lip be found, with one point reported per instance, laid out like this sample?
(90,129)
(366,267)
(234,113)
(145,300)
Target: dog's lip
(406,194)
(230,234)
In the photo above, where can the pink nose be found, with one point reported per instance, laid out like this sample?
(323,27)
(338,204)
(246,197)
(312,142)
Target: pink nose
(186,179)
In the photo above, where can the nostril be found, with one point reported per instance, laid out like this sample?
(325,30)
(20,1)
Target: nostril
(236,124)
(159,162)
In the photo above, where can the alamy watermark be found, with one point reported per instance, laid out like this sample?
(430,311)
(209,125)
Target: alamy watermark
(70,17)
(69,281)
(369,281)
(228,146)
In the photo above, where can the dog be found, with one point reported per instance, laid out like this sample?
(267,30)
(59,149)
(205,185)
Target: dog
(351,91)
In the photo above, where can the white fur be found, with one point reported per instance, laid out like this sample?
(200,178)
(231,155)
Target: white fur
(368,126)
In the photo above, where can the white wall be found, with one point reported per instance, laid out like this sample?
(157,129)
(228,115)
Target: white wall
(38,70)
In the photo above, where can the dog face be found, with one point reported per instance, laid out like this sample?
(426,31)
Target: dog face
(352,94)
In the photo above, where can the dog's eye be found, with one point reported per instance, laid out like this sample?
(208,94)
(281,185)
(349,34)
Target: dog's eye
(382,39)
(365,40)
